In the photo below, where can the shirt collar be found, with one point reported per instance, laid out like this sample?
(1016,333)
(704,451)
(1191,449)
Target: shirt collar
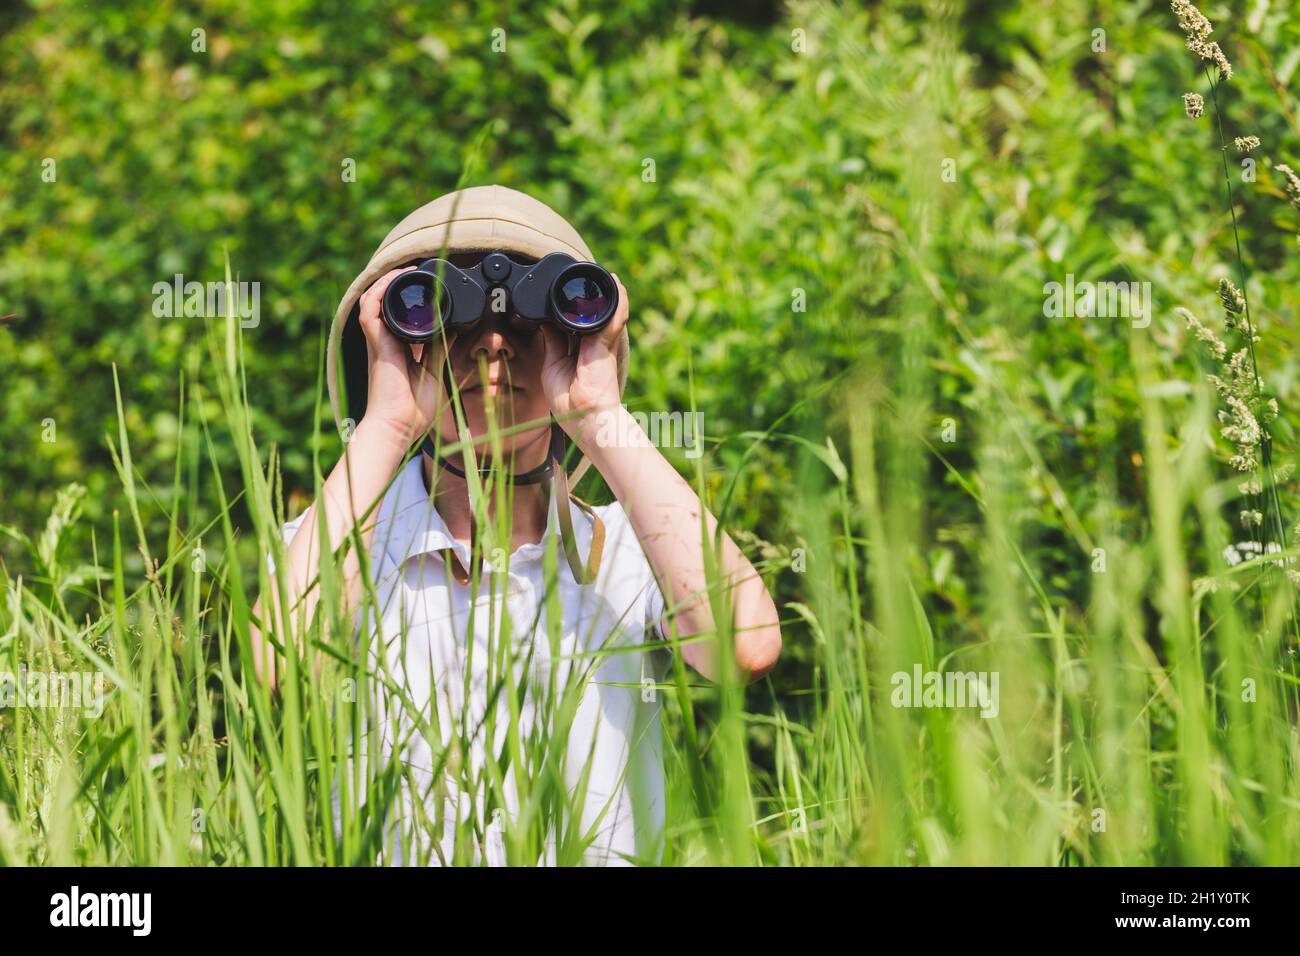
(415,527)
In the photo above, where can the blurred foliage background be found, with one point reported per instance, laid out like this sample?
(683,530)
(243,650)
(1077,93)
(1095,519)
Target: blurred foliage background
(796,146)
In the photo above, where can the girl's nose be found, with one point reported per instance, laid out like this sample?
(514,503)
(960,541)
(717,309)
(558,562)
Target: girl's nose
(492,342)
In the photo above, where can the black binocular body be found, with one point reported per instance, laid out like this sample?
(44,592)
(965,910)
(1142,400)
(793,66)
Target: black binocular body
(579,297)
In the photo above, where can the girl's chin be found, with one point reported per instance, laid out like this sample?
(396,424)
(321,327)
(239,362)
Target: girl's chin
(507,408)
(478,426)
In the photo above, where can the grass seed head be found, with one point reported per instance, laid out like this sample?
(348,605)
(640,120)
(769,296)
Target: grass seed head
(1292,184)
(1234,303)
(1190,20)
(1197,28)
(1218,348)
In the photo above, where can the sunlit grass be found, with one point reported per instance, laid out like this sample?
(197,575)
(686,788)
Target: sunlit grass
(1123,734)
(1148,691)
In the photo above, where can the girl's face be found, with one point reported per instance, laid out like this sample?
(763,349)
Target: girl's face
(498,362)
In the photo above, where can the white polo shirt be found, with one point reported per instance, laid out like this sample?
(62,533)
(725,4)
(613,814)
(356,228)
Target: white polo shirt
(605,662)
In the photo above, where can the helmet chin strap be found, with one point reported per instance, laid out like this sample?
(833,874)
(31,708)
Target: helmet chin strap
(532,476)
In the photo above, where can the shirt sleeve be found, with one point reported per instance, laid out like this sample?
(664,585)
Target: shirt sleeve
(627,574)
(654,606)
(287,531)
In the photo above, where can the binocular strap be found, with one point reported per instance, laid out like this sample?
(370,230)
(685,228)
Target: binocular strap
(587,575)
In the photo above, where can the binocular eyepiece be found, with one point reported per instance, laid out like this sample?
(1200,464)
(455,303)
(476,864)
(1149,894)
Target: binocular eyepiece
(577,296)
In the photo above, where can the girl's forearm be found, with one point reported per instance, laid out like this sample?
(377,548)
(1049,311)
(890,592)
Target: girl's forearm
(357,481)
(665,513)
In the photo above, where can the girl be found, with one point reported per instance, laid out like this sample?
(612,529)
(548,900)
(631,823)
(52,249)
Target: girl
(509,712)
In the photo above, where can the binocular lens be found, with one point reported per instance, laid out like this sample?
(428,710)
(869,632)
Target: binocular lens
(584,297)
(411,306)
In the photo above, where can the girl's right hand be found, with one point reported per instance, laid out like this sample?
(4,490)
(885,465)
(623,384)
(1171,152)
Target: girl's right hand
(405,385)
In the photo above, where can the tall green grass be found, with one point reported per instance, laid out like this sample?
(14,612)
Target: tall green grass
(1146,717)
(1123,734)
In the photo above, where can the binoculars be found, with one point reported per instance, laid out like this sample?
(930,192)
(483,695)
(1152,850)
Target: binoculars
(578,296)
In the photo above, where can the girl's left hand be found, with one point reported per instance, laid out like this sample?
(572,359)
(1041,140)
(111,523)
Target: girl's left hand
(580,384)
